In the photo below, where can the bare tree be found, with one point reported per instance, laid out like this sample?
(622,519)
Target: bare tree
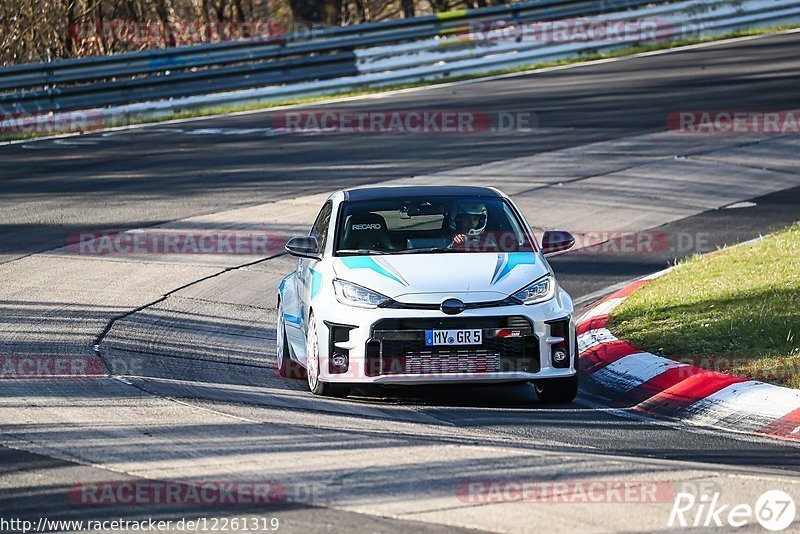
(439,6)
(316,11)
(408,8)
(47,30)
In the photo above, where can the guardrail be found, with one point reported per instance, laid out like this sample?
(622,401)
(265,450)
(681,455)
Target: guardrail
(159,82)
(348,37)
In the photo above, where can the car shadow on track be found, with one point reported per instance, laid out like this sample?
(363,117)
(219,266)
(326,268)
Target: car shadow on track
(516,395)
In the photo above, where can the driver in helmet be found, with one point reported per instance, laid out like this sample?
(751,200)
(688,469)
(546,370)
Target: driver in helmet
(467,221)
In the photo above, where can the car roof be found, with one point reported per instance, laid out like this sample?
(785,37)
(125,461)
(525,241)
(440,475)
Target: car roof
(386,192)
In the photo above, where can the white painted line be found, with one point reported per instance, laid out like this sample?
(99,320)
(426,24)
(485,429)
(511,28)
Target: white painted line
(36,147)
(739,205)
(387,94)
(236,131)
(68,142)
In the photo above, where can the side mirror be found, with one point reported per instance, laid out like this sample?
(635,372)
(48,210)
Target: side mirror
(556,241)
(303,247)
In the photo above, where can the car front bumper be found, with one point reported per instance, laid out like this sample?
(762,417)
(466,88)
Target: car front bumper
(386,345)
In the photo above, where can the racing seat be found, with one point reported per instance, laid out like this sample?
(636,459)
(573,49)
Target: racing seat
(432,238)
(367,231)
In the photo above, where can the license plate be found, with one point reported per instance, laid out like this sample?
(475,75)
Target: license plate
(453,337)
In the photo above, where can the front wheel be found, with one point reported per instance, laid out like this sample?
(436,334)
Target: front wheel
(557,390)
(317,386)
(286,367)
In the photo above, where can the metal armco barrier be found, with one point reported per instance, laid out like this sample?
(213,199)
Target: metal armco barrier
(159,82)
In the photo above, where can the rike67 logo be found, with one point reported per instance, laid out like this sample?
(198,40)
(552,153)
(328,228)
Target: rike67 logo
(774,510)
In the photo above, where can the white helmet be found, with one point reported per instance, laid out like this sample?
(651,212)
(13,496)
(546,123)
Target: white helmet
(468,208)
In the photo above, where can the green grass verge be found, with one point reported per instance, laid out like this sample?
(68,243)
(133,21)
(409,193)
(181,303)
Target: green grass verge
(738,310)
(636,49)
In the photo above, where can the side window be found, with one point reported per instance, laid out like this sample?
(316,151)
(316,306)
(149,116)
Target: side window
(320,228)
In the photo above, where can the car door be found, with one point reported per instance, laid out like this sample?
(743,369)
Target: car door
(304,274)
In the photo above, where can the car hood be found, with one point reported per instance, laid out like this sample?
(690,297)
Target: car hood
(430,278)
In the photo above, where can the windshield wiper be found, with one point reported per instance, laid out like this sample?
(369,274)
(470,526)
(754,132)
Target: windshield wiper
(359,251)
(426,250)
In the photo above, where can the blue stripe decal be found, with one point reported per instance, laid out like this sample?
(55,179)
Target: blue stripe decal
(283,282)
(292,319)
(316,282)
(507,262)
(368,262)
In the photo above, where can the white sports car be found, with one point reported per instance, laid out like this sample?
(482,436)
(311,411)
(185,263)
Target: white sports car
(421,285)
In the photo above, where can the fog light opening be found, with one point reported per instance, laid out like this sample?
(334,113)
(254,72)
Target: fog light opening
(560,350)
(339,360)
(339,356)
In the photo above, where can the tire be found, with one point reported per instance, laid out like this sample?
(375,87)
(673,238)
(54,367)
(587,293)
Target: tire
(557,390)
(315,385)
(286,367)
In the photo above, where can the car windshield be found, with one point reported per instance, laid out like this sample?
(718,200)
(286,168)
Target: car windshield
(430,224)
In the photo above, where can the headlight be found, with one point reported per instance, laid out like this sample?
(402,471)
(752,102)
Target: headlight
(356,295)
(539,291)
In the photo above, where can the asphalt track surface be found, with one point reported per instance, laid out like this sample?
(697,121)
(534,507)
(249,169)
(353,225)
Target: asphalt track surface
(151,176)
(157,176)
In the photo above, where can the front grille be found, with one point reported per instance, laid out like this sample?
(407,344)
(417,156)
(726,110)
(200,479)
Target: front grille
(512,347)
(398,346)
(508,301)
(517,321)
(444,323)
(475,361)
